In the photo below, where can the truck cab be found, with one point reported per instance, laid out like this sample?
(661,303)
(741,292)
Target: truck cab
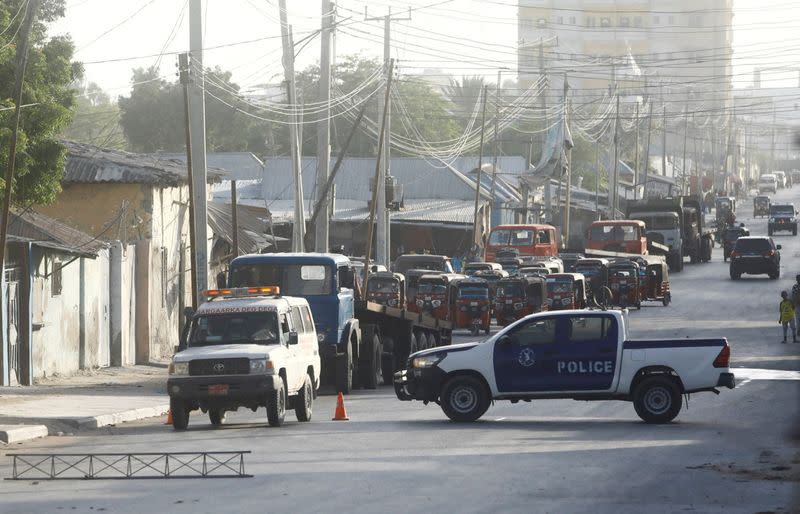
(246,347)
(627,236)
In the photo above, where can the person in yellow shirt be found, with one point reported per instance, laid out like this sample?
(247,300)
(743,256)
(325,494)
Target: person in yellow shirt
(787,314)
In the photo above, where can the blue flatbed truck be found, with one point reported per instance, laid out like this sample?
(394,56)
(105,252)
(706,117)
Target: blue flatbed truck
(360,343)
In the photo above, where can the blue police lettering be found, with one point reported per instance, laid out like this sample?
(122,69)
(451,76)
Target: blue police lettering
(585,367)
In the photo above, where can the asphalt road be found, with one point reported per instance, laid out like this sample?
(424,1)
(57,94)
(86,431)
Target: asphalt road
(729,453)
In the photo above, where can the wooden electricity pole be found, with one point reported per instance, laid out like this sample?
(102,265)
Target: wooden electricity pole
(475,237)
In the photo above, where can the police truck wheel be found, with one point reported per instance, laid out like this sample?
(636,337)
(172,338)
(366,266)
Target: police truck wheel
(657,399)
(344,370)
(215,416)
(180,414)
(464,398)
(304,402)
(276,406)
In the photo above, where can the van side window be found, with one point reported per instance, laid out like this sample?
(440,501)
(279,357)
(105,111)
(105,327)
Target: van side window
(297,320)
(308,321)
(285,329)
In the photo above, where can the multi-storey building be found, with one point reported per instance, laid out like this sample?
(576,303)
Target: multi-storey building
(684,44)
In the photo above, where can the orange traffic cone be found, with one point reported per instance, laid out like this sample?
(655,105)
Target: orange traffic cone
(169,417)
(340,414)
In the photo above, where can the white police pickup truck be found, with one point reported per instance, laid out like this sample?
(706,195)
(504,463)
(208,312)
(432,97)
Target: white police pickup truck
(246,347)
(578,354)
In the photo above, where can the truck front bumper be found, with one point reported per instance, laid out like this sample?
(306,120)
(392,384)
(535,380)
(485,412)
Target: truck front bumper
(419,384)
(726,380)
(238,387)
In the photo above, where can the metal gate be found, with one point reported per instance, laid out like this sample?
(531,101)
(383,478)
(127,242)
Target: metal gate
(12,315)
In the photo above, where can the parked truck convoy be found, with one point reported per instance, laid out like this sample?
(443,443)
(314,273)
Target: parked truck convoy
(360,342)
(678,224)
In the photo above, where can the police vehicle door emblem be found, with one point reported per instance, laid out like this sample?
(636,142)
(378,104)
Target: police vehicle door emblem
(526,358)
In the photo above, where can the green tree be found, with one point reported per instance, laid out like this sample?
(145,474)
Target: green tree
(427,110)
(152,117)
(49,76)
(96,120)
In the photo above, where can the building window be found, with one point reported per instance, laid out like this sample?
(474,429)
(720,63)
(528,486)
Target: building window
(572,20)
(624,21)
(56,278)
(637,21)
(560,20)
(541,22)
(656,20)
(591,21)
(671,20)
(605,22)
(695,21)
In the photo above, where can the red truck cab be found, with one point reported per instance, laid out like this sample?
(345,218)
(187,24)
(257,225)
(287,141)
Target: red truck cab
(522,240)
(627,236)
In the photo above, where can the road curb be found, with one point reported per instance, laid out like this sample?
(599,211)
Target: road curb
(10,434)
(103,420)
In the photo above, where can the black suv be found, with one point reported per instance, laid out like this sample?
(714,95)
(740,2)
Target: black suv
(755,255)
(782,217)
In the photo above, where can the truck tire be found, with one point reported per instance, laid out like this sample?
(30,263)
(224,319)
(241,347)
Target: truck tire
(464,398)
(180,414)
(215,416)
(370,372)
(657,399)
(304,402)
(387,362)
(276,406)
(344,370)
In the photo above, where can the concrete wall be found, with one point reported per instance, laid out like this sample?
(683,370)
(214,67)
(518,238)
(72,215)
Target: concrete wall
(111,211)
(70,327)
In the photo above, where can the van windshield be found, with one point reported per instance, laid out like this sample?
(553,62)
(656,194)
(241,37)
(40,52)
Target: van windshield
(235,328)
(383,285)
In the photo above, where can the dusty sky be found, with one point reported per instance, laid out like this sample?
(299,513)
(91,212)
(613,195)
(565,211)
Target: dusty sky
(463,37)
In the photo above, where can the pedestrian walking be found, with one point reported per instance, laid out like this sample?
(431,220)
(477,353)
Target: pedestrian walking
(787,315)
(796,300)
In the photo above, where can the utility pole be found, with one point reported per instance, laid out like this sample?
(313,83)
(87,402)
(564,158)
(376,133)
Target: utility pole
(185,73)
(614,191)
(322,226)
(647,149)
(636,153)
(543,96)
(298,228)
(376,187)
(234,219)
(197,126)
(772,146)
(384,241)
(475,235)
(597,180)
(496,148)
(568,163)
(685,133)
(663,137)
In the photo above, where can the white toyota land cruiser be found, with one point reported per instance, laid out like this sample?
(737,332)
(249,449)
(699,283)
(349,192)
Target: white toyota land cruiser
(246,347)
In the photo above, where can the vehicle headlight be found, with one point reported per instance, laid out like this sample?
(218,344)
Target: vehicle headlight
(772,220)
(427,361)
(436,303)
(420,303)
(261,366)
(321,336)
(179,368)
(517,306)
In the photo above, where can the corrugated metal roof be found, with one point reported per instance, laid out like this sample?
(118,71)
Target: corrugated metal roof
(239,166)
(89,164)
(420,179)
(252,238)
(35,227)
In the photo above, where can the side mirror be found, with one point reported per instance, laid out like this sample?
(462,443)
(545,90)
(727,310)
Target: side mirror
(292,338)
(222,280)
(504,340)
(188,312)
(779,247)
